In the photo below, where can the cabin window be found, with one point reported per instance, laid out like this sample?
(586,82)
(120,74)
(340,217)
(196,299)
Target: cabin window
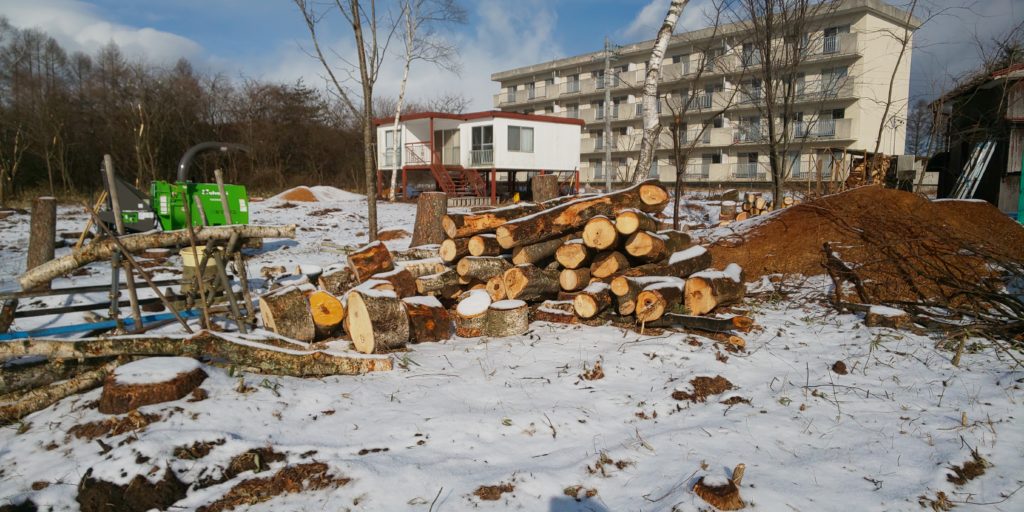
(520,139)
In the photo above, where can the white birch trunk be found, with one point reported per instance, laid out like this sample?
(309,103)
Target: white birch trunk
(652,126)
(409,34)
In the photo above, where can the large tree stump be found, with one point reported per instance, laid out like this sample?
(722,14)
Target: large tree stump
(528,282)
(401,279)
(484,244)
(657,299)
(42,234)
(711,288)
(556,311)
(608,263)
(377,321)
(592,300)
(544,187)
(285,311)
(536,253)
(507,318)
(632,220)
(599,233)
(370,259)
(443,284)
(471,314)
(482,268)
(152,380)
(428,319)
(328,313)
(574,279)
(573,254)
(431,207)
(337,279)
(454,249)
(461,225)
(555,222)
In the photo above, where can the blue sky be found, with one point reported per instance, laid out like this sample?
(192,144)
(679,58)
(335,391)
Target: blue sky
(265,38)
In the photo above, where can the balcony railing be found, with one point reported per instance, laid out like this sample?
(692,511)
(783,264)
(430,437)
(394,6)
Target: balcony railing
(748,171)
(481,156)
(823,129)
(417,153)
(750,134)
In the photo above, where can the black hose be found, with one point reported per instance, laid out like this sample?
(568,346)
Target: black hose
(186,159)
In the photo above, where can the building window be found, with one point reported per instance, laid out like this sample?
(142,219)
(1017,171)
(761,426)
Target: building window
(520,139)
(482,145)
(531,90)
(392,154)
(510,96)
(793,164)
(598,106)
(572,110)
(598,169)
(830,41)
(573,83)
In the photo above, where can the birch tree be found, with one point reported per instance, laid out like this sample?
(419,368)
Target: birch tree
(652,124)
(422,43)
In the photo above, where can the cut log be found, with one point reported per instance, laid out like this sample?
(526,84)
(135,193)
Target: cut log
(573,254)
(402,281)
(42,233)
(431,207)
(651,247)
(787,201)
(704,323)
(600,234)
(527,282)
(507,318)
(556,311)
(574,279)
(544,187)
(461,225)
(19,405)
(608,263)
(454,249)
(728,210)
(709,289)
(534,254)
(742,216)
(657,299)
(592,300)
(428,319)
(149,381)
(632,220)
(471,314)
(485,244)
(760,203)
(495,287)
(443,284)
(328,312)
(370,259)
(103,249)
(377,321)
(424,267)
(482,268)
(421,252)
(285,311)
(688,261)
(555,222)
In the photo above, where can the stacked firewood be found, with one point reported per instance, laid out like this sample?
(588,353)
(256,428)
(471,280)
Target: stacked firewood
(753,204)
(597,257)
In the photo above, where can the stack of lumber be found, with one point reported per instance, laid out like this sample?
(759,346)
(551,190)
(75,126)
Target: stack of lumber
(597,257)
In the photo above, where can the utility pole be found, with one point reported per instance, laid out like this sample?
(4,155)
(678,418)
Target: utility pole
(607,115)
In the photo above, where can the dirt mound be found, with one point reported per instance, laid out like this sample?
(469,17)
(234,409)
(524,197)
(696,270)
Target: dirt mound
(901,245)
(292,479)
(703,387)
(138,495)
(301,194)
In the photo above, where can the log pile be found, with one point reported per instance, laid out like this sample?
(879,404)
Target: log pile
(589,258)
(753,204)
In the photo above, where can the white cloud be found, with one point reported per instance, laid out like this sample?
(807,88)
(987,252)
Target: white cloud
(645,25)
(77,26)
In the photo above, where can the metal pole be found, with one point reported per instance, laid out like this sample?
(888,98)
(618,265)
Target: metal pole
(108,166)
(607,115)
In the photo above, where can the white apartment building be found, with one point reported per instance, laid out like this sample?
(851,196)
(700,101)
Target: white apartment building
(711,78)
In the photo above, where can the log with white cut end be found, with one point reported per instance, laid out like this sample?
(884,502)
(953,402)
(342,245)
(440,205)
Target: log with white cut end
(370,259)
(328,312)
(285,311)
(428,319)
(377,320)
(536,253)
(632,220)
(495,287)
(482,268)
(592,300)
(627,288)
(471,314)
(337,279)
(650,247)
(461,225)
(556,311)
(485,244)
(608,263)
(709,289)
(442,284)
(728,210)
(657,299)
(401,280)
(507,318)
(573,254)
(527,282)
(574,279)
(454,249)
(599,233)
(556,221)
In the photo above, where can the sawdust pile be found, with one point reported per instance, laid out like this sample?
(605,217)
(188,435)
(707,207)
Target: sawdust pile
(300,194)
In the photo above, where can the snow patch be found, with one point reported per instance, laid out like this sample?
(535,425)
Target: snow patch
(686,254)
(508,304)
(421,300)
(886,311)
(475,304)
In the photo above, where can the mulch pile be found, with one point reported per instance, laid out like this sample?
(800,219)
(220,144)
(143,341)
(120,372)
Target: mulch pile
(903,246)
(301,194)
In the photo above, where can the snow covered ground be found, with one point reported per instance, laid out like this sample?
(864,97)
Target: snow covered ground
(457,415)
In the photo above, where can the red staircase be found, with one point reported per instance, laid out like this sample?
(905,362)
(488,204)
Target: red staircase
(457,181)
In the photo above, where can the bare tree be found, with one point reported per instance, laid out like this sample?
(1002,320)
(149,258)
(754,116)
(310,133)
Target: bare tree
(652,124)
(904,43)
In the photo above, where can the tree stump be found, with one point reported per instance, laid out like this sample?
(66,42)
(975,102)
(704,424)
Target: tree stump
(573,254)
(152,380)
(377,321)
(556,311)
(471,314)
(592,300)
(431,207)
(328,312)
(42,234)
(528,282)
(709,289)
(544,187)
(285,311)
(454,249)
(724,496)
(507,318)
(370,259)
(428,319)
